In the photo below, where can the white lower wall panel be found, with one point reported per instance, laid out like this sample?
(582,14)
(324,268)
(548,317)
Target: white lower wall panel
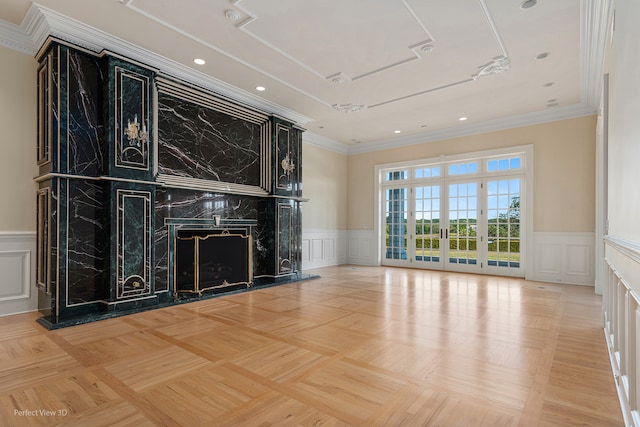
(362,247)
(563,258)
(17,272)
(323,248)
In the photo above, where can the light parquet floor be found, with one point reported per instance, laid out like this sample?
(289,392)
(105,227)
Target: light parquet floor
(360,346)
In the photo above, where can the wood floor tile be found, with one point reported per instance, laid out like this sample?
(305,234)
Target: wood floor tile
(279,361)
(504,388)
(415,361)
(349,391)
(155,367)
(82,334)
(112,414)
(199,397)
(228,343)
(60,399)
(278,410)
(116,348)
(328,339)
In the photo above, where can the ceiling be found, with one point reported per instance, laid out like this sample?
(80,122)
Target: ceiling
(357,74)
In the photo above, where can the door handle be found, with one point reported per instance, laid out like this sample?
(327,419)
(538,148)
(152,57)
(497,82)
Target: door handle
(441,233)
(446,233)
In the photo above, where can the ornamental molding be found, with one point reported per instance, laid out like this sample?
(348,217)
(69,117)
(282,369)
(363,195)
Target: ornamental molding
(349,108)
(499,64)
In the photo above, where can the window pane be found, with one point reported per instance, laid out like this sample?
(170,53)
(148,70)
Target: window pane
(396,175)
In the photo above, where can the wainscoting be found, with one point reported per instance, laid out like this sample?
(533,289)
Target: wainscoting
(621,312)
(563,258)
(362,247)
(556,257)
(323,248)
(17,272)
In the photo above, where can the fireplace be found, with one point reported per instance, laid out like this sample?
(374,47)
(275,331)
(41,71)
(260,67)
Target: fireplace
(209,254)
(212,259)
(153,189)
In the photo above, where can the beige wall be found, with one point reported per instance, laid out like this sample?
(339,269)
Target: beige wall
(564,171)
(18,141)
(324,174)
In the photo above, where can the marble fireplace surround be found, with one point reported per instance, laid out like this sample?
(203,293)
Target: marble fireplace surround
(128,157)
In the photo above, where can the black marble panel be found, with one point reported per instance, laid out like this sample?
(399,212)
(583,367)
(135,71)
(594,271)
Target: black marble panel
(199,142)
(84,155)
(132,119)
(86,242)
(55,123)
(133,242)
(285,231)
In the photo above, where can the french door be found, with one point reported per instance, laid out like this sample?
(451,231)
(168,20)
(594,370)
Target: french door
(453,223)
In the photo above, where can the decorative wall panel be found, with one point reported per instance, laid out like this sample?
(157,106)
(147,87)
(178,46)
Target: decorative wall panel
(287,168)
(285,235)
(134,243)
(45,110)
(132,119)
(17,269)
(322,248)
(563,258)
(16,265)
(44,235)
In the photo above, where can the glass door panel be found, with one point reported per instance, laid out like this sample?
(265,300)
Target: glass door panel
(428,251)
(503,224)
(396,205)
(462,232)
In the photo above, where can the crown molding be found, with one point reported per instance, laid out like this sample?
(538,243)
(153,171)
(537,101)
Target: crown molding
(324,142)
(14,37)
(41,22)
(595,17)
(528,119)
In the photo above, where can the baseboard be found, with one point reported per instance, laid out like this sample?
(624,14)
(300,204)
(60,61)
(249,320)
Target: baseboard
(17,269)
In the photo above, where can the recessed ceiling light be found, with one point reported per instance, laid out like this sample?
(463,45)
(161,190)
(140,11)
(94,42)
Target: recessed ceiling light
(462,119)
(397,131)
(552,104)
(199,61)
(527,4)
(552,100)
(548,84)
(542,55)
(424,126)
(260,88)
